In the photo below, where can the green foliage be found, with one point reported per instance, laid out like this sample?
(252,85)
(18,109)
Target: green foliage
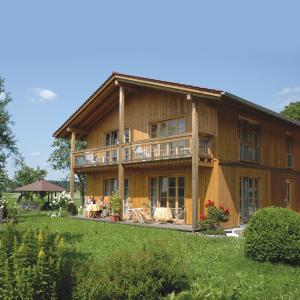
(7,139)
(30,264)
(145,274)
(115,204)
(60,159)
(292,111)
(26,175)
(216,264)
(273,235)
(215,216)
(63,203)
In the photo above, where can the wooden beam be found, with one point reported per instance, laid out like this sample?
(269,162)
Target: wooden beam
(72,164)
(77,130)
(195,166)
(121,140)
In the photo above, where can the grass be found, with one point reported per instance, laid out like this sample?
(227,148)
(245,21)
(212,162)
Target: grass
(219,261)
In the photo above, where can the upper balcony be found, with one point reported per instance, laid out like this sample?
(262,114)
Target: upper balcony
(158,150)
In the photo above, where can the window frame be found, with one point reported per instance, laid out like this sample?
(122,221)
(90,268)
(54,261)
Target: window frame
(167,128)
(253,131)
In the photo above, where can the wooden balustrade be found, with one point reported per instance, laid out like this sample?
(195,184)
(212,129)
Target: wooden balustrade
(162,149)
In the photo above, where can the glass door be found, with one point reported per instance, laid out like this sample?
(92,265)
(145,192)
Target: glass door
(153,193)
(249,197)
(126,196)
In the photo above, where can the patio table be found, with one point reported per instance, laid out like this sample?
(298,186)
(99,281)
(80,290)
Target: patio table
(163,214)
(94,208)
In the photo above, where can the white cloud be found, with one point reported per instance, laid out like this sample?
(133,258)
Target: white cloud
(41,95)
(35,153)
(285,96)
(288,91)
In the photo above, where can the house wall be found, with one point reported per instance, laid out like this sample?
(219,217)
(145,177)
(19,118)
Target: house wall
(219,183)
(148,106)
(139,185)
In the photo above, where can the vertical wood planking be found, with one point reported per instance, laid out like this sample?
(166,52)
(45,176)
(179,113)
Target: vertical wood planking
(72,164)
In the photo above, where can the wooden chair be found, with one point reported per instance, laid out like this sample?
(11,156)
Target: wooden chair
(179,216)
(146,215)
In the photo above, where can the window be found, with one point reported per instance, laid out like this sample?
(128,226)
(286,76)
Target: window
(167,128)
(249,197)
(110,186)
(112,138)
(289,141)
(204,146)
(167,192)
(289,193)
(249,139)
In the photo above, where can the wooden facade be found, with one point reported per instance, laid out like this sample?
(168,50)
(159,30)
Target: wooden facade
(191,141)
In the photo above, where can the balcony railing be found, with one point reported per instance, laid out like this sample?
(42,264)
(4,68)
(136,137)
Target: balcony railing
(157,150)
(143,151)
(90,158)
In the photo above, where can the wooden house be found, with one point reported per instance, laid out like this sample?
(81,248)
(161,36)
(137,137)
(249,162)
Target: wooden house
(165,144)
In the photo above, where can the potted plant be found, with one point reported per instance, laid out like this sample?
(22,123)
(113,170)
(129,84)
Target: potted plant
(115,206)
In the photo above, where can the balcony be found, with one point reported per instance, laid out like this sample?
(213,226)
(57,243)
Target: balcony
(162,149)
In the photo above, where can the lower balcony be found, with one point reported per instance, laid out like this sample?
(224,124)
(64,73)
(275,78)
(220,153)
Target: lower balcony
(142,152)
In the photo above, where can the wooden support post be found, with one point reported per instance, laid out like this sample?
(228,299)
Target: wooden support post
(72,173)
(121,140)
(195,166)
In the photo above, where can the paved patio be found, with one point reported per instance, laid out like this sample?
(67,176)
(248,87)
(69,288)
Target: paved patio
(169,226)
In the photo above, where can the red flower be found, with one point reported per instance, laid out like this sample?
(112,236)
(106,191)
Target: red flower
(222,207)
(226,211)
(209,203)
(203,217)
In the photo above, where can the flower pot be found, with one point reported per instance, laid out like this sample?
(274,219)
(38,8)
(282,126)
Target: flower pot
(115,218)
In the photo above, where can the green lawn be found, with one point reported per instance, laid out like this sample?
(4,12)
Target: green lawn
(214,261)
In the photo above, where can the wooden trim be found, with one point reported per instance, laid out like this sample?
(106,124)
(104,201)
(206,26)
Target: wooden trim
(121,140)
(72,164)
(195,166)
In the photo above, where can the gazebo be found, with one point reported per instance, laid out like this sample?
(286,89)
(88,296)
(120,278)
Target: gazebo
(42,187)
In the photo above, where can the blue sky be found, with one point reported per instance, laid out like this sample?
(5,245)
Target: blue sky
(54,54)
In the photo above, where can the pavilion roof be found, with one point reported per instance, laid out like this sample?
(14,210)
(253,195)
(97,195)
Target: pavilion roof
(40,186)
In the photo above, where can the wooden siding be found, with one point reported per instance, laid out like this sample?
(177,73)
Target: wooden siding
(148,106)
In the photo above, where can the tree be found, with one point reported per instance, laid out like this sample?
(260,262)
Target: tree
(60,160)
(26,174)
(8,146)
(292,111)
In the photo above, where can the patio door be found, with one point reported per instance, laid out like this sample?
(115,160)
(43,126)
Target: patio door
(126,196)
(289,193)
(167,191)
(249,197)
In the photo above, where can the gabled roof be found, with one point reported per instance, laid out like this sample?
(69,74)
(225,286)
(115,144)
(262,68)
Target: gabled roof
(40,186)
(109,90)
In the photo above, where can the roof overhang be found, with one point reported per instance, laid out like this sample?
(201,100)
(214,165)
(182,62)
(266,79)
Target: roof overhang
(104,99)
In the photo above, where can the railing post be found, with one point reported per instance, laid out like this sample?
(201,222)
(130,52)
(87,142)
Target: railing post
(72,164)
(121,140)
(195,164)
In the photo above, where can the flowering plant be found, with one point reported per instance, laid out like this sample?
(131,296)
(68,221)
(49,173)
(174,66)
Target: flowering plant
(215,215)
(64,202)
(3,208)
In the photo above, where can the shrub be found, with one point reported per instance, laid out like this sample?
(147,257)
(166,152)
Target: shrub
(62,204)
(30,264)
(215,216)
(273,235)
(145,274)
(115,204)
(3,208)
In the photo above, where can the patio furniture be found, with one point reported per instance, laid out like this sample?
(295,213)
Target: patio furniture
(134,214)
(178,215)
(163,214)
(146,215)
(93,209)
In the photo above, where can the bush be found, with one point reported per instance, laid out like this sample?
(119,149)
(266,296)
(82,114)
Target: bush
(145,274)
(30,264)
(63,204)
(115,204)
(273,235)
(215,216)
(72,209)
